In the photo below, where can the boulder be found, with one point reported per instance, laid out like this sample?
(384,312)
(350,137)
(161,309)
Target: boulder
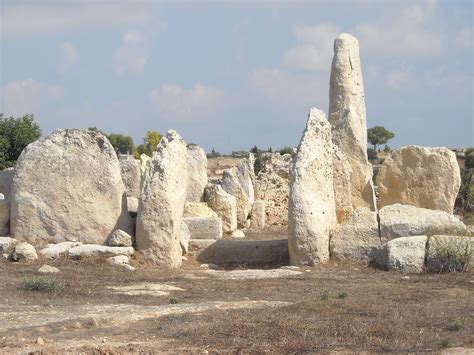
(131,172)
(6,181)
(197,173)
(54,251)
(403,221)
(198,209)
(7,244)
(257,217)
(4,216)
(67,186)
(118,260)
(132,206)
(161,205)
(224,204)
(420,176)
(342,172)
(357,237)
(312,209)
(348,117)
(405,254)
(94,250)
(24,252)
(184,238)
(120,238)
(448,253)
(46,269)
(204,227)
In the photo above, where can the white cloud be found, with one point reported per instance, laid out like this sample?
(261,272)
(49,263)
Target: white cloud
(132,55)
(315,49)
(69,57)
(31,18)
(28,96)
(174,101)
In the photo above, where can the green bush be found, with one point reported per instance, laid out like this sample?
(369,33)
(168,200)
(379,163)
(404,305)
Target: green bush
(41,284)
(372,154)
(469,162)
(286,150)
(456,324)
(450,254)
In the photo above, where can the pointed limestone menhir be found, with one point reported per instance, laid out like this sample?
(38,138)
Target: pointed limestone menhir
(312,207)
(348,117)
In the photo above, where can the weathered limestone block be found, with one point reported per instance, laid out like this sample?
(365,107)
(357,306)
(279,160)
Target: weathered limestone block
(312,208)
(197,173)
(258,216)
(405,254)
(4,216)
(161,206)
(348,117)
(131,172)
(224,204)
(357,237)
(448,253)
(6,181)
(7,244)
(118,260)
(231,184)
(67,186)
(185,237)
(198,209)
(54,251)
(403,221)
(342,172)
(421,177)
(120,238)
(204,227)
(88,250)
(132,205)
(24,252)
(46,269)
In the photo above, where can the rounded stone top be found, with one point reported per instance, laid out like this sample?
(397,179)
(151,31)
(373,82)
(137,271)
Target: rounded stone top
(345,40)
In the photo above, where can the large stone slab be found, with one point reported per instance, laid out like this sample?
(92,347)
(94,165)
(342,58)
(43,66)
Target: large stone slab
(131,172)
(54,251)
(204,227)
(420,176)
(406,254)
(312,209)
(197,173)
(90,250)
(224,204)
(357,237)
(161,205)
(67,187)
(403,221)
(348,117)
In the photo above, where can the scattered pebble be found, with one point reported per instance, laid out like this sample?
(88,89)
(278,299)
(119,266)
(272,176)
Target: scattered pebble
(40,341)
(405,277)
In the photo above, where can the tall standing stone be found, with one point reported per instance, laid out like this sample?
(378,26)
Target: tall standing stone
(161,205)
(131,172)
(348,117)
(67,187)
(342,185)
(224,204)
(312,208)
(197,173)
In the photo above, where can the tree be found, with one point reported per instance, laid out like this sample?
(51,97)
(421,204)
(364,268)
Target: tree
(286,150)
(15,135)
(150,141)
(122,144)
(371,154)
(378,135)
(469,162)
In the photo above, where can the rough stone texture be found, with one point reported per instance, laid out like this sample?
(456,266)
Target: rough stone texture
(4,216)
(67,186)
(250,252)
(272,186)
(132,205)
(197,173)
(7,244)
(253,274)
(198,209)
(185,237)
(120,238)
(54,251)
(6,181)
(348,117)
(421,177)
(118,260)
(403,221)
(449,253)
(224,204)
(204,227)
(144,159)
(312,209)
(406,254)
(238,234)
(88,250)
(342,172)
(357,237)
(24,252)
(161,205)
(46,269)
(196,246)
(131,172)
(257,218)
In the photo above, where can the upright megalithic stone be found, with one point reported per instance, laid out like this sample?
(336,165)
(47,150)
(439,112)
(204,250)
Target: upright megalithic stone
(311,205)
(347,116)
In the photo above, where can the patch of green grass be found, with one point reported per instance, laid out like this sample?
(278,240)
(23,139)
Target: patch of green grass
(456,324)
(444,343)
(342,294)
(327,293)
(174,301)
(41,284)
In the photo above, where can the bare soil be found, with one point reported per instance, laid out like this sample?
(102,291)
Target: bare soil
(337,307)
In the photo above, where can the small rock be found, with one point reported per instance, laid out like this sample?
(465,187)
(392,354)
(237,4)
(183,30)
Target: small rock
(210,266)
(120,238)
(7,244)
(40,341)
(129,267)
(24,251)
(405,277)
(118,260)
(238,234)
(46,269)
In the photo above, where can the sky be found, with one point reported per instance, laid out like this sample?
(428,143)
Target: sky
(233,74)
